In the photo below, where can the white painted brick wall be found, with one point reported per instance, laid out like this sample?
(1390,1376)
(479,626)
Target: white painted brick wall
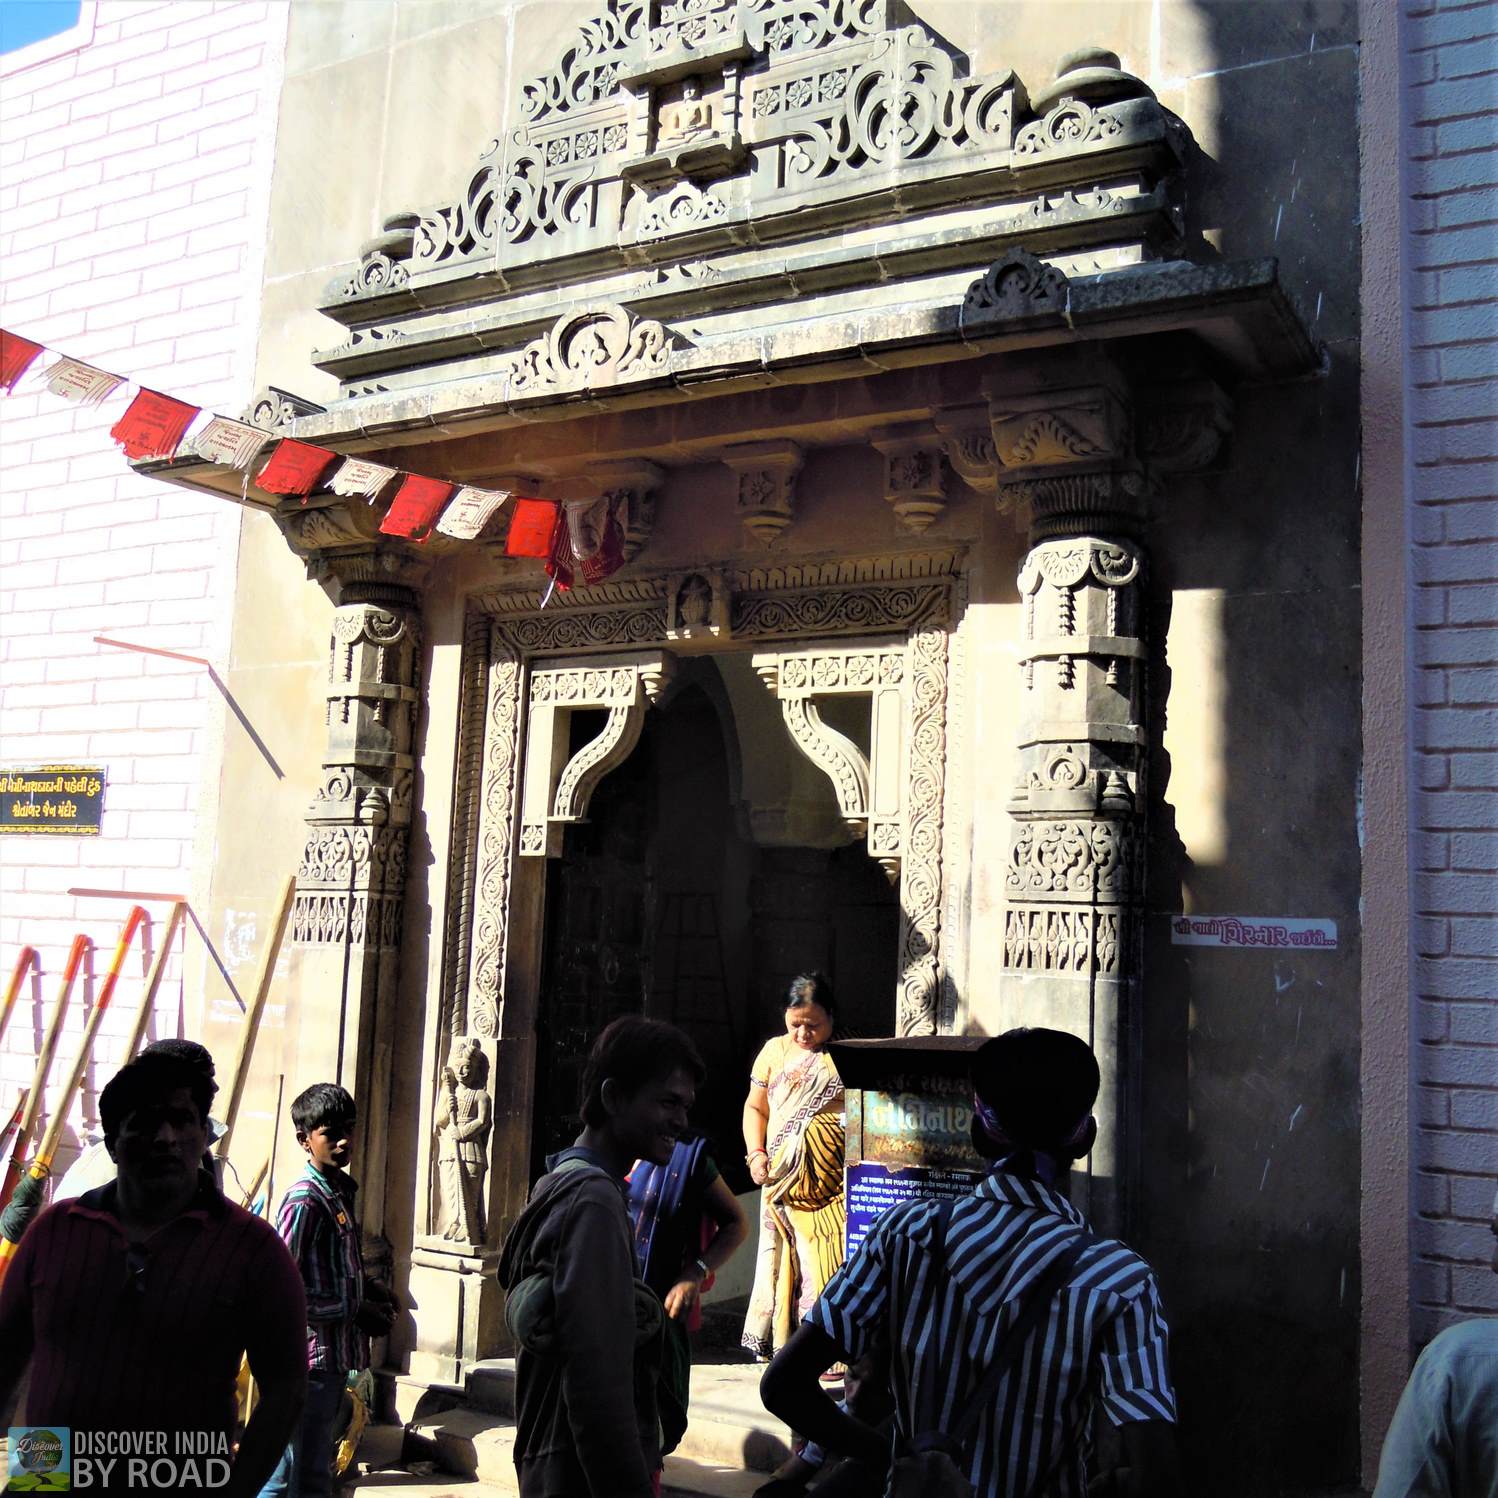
(1452,260)
(153,122)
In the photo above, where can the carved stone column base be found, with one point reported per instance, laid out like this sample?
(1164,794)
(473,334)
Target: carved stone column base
(461,1309)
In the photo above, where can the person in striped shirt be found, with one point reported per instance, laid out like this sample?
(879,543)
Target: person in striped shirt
(344,1307)
(940,1285)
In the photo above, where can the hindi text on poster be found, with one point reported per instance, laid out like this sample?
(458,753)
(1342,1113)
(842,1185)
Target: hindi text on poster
(873,1189)
(63,800)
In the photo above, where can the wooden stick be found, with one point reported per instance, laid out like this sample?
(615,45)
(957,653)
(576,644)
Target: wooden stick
(275,1139)
(255,1181)
(241,1070)
(81,946)
(43,1157)
(153,981)
(13,988)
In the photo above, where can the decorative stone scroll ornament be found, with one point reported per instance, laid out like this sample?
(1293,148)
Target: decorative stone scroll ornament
(274,410)
(767,473)
(593,346)
(558,786)
(1019,285)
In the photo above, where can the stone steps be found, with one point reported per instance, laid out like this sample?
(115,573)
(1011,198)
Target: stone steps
(730,1447)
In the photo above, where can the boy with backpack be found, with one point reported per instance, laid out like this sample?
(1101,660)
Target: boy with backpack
(588,1413)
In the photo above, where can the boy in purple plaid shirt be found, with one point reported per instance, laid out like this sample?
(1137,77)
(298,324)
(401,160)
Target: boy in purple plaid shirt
(317,1221)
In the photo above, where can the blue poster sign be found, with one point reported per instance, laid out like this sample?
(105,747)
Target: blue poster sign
(871,1190)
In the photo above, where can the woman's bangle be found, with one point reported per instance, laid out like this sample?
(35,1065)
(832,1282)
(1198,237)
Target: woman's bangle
(748,1159)
(701,1264)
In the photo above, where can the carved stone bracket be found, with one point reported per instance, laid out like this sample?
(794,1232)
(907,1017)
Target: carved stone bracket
(557,784)
(914,475)
(867,788)
(966,434)
(631,484)
(1064,460)
(767,473)
(1058,427)
(1183,425)
(892,797)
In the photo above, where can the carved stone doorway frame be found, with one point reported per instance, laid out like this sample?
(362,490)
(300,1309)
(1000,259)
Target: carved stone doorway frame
(853,617)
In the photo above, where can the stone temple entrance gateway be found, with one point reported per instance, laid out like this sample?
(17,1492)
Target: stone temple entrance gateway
(910,404)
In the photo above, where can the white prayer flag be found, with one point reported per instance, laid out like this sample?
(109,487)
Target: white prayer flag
(470,511)
(358,479)
(234,443)
(81,382)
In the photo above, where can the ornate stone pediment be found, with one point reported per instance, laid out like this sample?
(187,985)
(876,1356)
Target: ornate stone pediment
(670,134)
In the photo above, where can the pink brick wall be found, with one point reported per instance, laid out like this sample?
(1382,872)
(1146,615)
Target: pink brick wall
(135,161)
(1451,176)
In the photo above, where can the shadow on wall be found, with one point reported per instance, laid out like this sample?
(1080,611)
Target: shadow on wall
(1250,1129)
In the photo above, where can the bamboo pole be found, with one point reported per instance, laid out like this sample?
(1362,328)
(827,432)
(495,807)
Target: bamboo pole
(41,1164)
(13,988)
(81,946)
(153,981)
(240,1074)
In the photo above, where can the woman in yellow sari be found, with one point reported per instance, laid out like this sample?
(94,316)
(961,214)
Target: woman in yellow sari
(793,1132)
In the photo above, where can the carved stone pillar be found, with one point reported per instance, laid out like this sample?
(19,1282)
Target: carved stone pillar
(1074,884)
(346,921)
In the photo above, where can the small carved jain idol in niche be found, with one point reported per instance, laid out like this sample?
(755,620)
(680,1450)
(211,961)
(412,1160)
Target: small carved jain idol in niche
(465,1114)
(689,116)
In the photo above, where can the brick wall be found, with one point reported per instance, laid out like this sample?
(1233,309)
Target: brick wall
(133,185)
(1451,177)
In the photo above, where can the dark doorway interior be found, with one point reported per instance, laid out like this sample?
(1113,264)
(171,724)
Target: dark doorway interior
(661,905)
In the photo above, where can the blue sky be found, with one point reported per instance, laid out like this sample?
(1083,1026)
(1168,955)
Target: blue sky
(26,21)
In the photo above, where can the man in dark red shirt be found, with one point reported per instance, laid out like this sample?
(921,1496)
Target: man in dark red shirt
(134,1302)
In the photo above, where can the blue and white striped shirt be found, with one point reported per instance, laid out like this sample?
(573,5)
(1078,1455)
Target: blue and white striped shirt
(1104,1340)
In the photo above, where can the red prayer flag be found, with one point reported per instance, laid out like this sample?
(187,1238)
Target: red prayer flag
(17,355)
(416,506)
(533,523)
(152,426)
(294,468)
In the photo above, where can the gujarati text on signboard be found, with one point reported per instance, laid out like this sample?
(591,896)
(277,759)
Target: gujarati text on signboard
(64,800)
